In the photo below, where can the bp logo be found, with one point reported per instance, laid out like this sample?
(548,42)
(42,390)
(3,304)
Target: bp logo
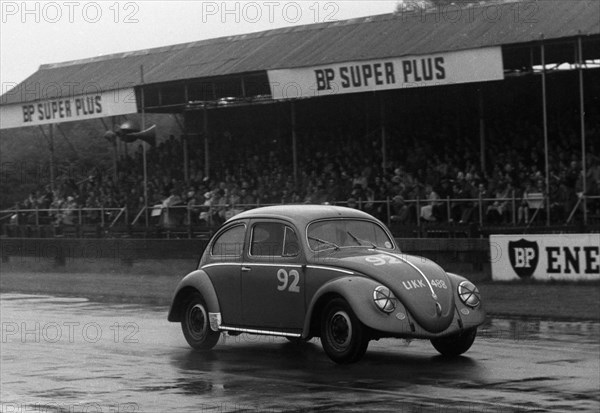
(523,256)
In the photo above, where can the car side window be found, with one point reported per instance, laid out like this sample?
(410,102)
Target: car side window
(230,243)
(274,240)
(291,246)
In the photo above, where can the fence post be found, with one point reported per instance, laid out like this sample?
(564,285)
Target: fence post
(102,215)
(37,216)
(514,208)
(189,222)
(389,211)
(480,210)
(418,214)
(448,208)
(80,217)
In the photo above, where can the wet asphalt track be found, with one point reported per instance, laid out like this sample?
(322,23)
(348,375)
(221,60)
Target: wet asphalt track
(72,355)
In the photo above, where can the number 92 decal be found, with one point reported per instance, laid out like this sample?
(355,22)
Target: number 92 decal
(284,281)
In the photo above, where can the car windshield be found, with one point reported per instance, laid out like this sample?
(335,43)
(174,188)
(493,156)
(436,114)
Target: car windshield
(344,233)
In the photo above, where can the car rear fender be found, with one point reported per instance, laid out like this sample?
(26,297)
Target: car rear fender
(197,281)
(358,292)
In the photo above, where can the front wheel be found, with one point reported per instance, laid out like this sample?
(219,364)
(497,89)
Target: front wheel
(455,345)
(196,325)
(343,336)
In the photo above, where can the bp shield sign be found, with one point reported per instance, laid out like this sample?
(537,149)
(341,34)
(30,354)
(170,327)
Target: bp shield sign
(524,256)
(545,256)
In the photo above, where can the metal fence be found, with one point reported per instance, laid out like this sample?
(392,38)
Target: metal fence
(194,220)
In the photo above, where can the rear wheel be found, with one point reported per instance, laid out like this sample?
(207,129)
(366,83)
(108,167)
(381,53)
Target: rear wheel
(343,336)
(455,345)
(196,325)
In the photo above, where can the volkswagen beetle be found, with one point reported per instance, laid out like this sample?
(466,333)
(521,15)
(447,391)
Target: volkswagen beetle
(303,271)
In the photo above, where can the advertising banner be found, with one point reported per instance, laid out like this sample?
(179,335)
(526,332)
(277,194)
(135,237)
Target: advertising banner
(69,108)
(545,257)
(463,66)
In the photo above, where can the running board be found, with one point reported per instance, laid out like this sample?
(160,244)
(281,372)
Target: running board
(215,325)
(262,332)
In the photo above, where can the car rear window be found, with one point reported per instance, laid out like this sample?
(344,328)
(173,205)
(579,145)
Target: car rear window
(230,243)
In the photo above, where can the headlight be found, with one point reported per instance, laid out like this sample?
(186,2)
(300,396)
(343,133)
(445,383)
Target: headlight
(384,299)
(469,294)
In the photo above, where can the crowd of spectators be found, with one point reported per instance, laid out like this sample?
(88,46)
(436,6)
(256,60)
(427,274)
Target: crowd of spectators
(422,172)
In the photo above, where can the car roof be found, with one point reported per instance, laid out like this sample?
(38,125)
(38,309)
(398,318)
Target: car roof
(302,214)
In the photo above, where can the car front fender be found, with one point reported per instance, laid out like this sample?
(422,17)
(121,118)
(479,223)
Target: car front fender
(358,292)
(470,317)
(196,281)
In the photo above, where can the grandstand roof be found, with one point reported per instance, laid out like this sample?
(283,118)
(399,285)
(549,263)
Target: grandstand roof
(374,37)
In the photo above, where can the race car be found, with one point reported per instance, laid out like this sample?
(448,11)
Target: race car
(304,271)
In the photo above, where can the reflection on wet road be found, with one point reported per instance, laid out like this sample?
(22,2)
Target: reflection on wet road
(72,355)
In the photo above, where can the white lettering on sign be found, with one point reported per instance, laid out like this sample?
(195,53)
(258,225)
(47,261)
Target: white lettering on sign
(523,257)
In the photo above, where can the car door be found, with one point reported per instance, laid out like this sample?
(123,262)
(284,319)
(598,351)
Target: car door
(273,278)
(223,269)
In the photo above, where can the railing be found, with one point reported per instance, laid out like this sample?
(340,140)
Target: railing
(177,215)
(215,215)
(64,216)
(581,203)
(190,220)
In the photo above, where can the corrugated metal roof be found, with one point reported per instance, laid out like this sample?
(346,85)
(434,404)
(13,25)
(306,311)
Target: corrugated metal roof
(374,37)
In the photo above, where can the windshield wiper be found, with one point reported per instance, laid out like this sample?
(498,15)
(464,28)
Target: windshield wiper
(360,241)
(319,240)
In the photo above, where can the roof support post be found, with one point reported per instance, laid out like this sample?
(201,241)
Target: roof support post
(142,127)
(185,147)
(115,152)
(383,133)
(186,158)
(294,144)
(481,129)
(582,126)
(50,140)
(545,125)
(205,133)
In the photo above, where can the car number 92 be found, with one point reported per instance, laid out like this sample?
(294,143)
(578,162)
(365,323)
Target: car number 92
(283,278)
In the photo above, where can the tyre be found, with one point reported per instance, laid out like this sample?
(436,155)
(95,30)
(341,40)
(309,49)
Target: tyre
(196,325)
(455,345)
(343,336)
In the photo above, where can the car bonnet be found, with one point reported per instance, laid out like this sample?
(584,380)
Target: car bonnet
(421,285)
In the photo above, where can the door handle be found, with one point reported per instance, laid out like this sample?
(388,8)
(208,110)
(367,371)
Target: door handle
(246,269)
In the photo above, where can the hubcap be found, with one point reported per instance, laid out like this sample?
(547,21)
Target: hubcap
(340,329)
(198,321)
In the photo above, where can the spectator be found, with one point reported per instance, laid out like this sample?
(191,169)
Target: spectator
(432,199)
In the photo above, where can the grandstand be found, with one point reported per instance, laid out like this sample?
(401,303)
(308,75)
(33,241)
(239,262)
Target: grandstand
(512,145)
